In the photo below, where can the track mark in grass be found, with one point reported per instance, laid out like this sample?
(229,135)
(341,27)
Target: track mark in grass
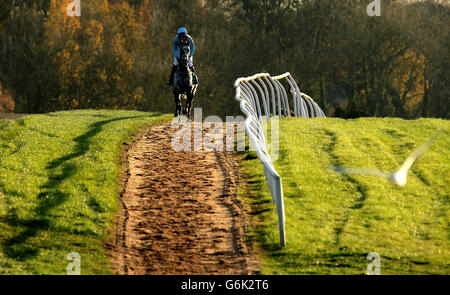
(404,225)
(360,189)
(394,133)
(58,191)
(418,171)
(84,141)
(421,177)
(52,197)
(404,145)
(16,247)
(47,134)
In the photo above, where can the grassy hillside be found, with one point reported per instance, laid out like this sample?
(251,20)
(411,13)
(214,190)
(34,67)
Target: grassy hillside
(58,187)
(333,221)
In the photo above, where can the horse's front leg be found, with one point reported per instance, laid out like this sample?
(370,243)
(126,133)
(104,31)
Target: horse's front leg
(177,99)
(190,98)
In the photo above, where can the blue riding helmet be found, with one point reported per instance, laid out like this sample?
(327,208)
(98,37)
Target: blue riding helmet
(182,31)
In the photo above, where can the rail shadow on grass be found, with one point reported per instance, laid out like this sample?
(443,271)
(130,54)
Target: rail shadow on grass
(52,196)
(261,206)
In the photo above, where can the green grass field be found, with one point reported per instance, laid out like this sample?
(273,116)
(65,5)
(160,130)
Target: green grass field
(59,177)
(332,220)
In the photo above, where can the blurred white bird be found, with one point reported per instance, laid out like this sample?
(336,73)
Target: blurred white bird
(397,177)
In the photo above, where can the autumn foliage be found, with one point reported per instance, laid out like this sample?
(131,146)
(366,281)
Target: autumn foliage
(117,54)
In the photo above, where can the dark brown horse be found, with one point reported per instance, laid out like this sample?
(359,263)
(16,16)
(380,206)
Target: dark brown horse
(183,85)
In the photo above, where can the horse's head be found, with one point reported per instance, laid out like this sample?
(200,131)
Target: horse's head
(185,52)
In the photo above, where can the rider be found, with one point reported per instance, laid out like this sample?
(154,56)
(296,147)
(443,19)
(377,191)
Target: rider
(182,37)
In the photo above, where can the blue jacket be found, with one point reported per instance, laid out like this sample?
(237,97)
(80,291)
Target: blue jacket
(176,46)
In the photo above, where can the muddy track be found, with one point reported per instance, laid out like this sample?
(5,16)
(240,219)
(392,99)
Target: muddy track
(179,212)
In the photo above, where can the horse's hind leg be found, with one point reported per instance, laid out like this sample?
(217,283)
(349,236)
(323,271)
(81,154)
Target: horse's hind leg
(177,104)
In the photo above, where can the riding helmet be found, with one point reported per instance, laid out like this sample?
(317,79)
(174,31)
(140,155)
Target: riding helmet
(182,31)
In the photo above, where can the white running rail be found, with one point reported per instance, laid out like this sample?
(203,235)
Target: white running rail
(262,89)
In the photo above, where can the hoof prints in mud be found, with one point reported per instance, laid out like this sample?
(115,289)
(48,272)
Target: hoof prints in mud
(179,213)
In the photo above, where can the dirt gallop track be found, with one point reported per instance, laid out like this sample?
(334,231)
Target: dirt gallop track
(179,212)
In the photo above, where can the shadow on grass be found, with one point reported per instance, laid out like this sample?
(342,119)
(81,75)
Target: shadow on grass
(261,206)
(16,247)
(321,263)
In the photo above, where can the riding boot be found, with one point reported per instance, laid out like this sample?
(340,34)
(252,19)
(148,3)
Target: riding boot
(195,74)
(172,74)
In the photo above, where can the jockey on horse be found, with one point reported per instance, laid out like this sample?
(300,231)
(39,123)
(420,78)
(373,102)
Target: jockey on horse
(182,38)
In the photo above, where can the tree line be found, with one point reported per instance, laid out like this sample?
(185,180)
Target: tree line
(117,54)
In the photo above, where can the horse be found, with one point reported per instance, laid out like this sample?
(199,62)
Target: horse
(183,85)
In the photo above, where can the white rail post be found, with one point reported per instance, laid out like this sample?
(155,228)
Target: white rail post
(250,105)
